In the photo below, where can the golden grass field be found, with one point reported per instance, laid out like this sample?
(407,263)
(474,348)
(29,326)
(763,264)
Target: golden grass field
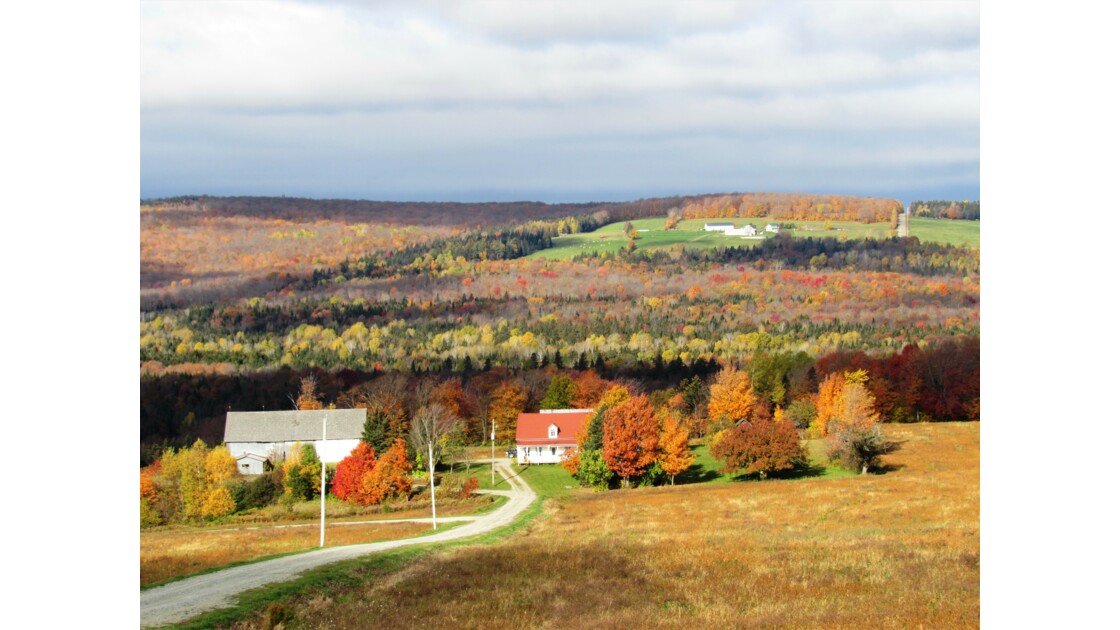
(175,553)
(896,550)
(179,551)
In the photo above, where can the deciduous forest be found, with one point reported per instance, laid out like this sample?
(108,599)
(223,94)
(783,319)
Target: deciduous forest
(241,298)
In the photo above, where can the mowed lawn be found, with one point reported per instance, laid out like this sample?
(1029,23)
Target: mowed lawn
(690,233)
(893,550)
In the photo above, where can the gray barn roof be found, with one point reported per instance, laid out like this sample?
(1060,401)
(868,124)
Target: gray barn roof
(294,426)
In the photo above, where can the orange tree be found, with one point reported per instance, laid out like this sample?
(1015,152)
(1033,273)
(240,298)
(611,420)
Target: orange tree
(630,438)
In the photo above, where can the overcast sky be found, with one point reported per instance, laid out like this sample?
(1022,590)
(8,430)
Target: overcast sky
(565,101)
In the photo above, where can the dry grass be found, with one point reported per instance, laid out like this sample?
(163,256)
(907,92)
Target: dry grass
(898,550)
(168,554)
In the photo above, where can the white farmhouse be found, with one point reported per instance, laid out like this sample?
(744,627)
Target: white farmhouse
(255,437)
(545,437)
(773,227)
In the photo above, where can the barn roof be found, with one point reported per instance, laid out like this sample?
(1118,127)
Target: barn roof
(294,426)
(532,428)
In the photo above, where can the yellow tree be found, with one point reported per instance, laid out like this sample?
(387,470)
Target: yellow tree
(843,400)
(508,402)
(731,397)
(308,395)
(830,401)
(674,457)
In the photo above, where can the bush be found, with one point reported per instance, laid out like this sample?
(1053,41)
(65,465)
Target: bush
(859,447)
(257,493)
(149,516)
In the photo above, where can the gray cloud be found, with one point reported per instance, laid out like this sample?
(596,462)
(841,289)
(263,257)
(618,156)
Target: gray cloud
(436,98)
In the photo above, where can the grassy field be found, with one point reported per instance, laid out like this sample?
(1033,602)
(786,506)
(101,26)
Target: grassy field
(894,550)
(690,233)
(176,553)
(172,552)
(946,231)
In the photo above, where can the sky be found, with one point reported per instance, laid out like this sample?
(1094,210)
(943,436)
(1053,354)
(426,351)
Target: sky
(572,101)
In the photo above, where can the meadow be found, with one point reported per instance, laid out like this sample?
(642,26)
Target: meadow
(179,551)
(899,549)
(966,233)
(690,233)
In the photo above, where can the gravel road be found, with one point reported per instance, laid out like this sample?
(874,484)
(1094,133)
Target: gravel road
(187,598)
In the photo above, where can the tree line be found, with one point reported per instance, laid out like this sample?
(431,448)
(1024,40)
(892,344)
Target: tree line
(958,210)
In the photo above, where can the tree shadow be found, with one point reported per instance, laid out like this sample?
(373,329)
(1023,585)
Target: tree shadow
(697,474)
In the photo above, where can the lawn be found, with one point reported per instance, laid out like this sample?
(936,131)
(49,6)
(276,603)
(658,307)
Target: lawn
(690,233)
(946,231)
(892,550)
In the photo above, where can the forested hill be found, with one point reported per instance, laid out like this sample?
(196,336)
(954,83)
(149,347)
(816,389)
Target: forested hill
(486,214)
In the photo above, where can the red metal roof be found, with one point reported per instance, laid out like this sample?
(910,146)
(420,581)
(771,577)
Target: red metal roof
(532,428)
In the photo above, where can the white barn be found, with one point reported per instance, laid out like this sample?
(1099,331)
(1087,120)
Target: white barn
(718,227)
(254,437)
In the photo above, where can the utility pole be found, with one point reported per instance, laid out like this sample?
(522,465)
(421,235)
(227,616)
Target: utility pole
(323,488)
(493,460)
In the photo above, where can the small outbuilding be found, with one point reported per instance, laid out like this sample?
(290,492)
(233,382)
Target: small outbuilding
(254,437)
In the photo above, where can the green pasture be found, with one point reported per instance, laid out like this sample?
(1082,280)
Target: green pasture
(966,233)
(690,233)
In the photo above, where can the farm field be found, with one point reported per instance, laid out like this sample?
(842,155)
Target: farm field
(899,549)
(690,233)
(965,233)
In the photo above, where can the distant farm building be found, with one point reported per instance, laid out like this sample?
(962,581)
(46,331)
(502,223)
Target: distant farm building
(773,227)
(545,437)
(729,229)
(255,437)
(746,230)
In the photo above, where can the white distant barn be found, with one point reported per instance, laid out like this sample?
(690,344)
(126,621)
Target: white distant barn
(746,230)
(255,437)
(718,227)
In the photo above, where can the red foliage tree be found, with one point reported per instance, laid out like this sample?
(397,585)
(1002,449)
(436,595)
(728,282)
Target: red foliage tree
(348,476)
(630,438)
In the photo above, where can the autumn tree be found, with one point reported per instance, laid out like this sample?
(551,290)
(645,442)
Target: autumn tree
(390,476)
(508,402)
(308,398)
(430,425)
(855,436)
(301,473)
(349,472)
(561,393)
(761,445)
(630,438)
(590,388)
(674,455)
(731,398)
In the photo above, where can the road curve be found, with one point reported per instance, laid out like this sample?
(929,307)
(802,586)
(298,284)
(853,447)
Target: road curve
(179,601)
